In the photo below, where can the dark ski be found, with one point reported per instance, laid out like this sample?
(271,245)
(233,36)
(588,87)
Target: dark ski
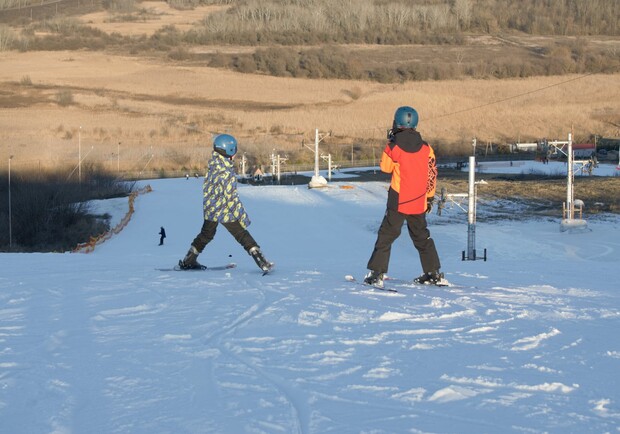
(202,268)
(411,283)
(350,278)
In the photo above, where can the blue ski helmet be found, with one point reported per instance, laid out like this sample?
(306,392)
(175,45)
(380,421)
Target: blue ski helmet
(405,117)
(225,144)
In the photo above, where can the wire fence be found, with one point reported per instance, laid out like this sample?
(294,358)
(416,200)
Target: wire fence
(307,169)
(89,246)
(182,160)
(45,8)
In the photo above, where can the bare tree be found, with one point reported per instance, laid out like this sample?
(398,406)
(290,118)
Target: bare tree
(6,38)
(440,17)
(463,12)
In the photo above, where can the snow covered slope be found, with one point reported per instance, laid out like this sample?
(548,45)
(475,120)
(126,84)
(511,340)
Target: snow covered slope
(104,343)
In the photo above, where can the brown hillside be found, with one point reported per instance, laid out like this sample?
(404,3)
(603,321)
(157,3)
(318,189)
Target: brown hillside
(160,113)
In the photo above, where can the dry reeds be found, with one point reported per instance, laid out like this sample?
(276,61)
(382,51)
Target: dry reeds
(171,112)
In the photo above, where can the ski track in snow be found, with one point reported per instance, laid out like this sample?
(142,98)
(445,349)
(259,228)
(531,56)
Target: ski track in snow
(105,343)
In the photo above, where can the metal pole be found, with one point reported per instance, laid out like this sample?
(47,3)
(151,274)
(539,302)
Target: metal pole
(10,223)
(569,182)
(118,158)
(329,167)
(471,223)
(316,152)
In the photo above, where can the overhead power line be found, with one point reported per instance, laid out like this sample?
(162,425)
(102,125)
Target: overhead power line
(519,95)
(510,97)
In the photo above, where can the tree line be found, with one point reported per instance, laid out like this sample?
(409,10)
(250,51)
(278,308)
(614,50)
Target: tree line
(400,21)
(50,211)
(381,21)
(314,38)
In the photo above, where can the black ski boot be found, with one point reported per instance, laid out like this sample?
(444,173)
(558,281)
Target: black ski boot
(432,278)
(260,260)
(189,262)
(374,278)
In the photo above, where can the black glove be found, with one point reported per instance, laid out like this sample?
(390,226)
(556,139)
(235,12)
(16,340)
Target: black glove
(429,204)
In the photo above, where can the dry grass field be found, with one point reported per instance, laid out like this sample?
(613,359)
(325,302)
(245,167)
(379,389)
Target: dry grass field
(152,16)
(159,114)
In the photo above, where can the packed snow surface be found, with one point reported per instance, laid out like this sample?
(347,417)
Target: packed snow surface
(526,342)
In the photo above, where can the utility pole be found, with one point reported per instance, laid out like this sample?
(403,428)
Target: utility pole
(570,195)
(471,212)
(329,167)
(569,222)
(470,253)
(328,158)
(279,161)
(471,208)
(243,162)
(316,152)
(317,180)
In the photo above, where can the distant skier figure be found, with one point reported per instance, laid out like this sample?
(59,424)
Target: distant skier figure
(162,235)
(221,204)
(411,161)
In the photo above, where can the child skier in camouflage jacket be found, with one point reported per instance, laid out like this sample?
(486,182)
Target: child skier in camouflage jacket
(221,204)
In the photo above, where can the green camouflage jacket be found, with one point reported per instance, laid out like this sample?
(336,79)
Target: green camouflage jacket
(221,201)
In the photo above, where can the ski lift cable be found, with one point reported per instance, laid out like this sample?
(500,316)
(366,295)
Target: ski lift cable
(498,101)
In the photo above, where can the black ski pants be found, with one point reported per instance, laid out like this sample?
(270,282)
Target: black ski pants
(235,228)
(390,229)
